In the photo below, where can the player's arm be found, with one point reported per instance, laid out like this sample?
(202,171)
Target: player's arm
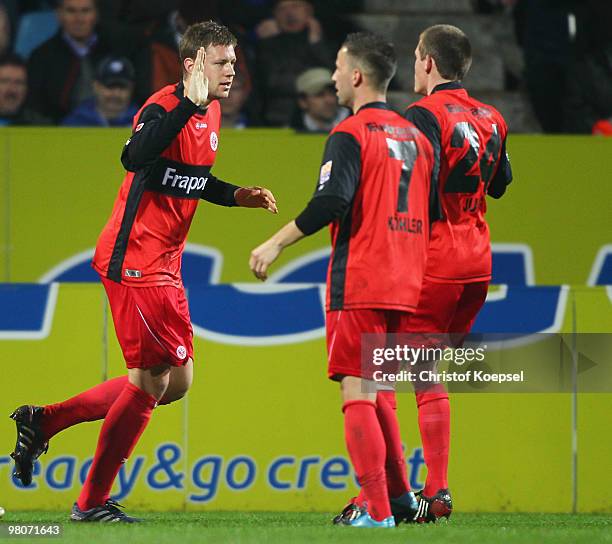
(223,193)
(154,132)
(503,175)
(428,124)
(156,127)
(338,182)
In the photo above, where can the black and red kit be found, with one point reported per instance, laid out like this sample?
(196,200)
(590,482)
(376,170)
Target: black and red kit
(374,189)
(168,160)
(469,142)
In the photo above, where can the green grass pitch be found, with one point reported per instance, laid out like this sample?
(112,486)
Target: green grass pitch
(311,528)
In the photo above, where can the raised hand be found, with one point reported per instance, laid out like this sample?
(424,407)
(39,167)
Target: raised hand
(197,85)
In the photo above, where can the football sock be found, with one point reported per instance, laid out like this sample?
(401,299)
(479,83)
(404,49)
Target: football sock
(395,464)
(366,447)
(90,405)
(434,424)
(125,422)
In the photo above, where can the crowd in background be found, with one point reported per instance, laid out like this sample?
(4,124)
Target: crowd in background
(93,63)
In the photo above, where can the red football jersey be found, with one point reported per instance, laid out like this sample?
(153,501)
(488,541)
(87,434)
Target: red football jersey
(168,158)
(381,166)
(469,143)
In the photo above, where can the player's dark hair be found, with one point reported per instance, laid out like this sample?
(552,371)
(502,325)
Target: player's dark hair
(203,35)
(375,55)
(449,47)
(12,59)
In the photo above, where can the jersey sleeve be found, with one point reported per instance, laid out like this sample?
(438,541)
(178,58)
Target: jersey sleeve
(154,131)
(219,192)
(503,175)
(428,124)
(338,181)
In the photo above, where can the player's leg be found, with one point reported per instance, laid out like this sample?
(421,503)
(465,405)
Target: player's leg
(433,316)
(433,403)
(363,434)
(123,425)
(460,304)
(154,332)
(395,462)
(403,501)
(36,425)
(93,404)
(365,443)
(181,378)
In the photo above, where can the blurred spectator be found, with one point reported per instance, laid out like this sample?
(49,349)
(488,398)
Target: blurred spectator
(330,13)
(290,43)
(546,29)
(5,30)
(13,92)
(61,70)
(318,105)
(156,27)
(111,105)
(493,6)
(232,108)
(588,107)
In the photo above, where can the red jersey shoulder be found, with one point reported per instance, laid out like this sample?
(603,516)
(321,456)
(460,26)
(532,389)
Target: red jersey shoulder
(447,102)
(351,125)
(165,98)
(487,110)
(214,111)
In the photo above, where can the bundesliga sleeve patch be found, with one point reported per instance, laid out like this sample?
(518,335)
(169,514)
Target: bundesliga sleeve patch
(325,174)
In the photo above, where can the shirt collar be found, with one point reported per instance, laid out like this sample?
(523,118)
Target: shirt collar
(79,49)
(375,105)
(449,86)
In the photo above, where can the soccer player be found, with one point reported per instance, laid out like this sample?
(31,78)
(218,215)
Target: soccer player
(138,256)
(469,142)
(374,190)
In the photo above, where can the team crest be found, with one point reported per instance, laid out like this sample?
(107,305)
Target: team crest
(214,141)
(325,174)
(181,352)
(138,127)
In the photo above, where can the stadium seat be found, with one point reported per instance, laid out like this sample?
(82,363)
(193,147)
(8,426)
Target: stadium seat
(34,28)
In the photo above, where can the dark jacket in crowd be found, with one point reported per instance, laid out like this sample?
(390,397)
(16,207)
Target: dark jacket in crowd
(59,80)
(87,115)
(25,117)
(281,59)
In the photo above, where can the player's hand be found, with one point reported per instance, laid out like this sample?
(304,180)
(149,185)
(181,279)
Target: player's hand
(197,86)
(262,257)
(255,197)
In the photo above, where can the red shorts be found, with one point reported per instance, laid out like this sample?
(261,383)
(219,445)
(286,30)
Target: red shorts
(344,338)
(152,324)
(447,307)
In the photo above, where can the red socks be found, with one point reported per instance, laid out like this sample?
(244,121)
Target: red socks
(434,424)
(124,423)
(90,405)
(395,464)
(366,447)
